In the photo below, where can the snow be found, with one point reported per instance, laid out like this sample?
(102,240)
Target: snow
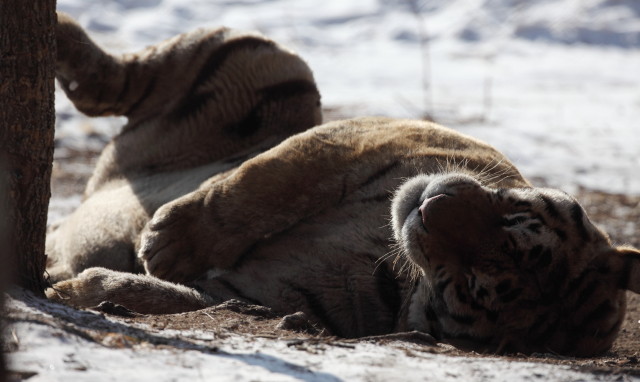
(555,84)
(55,354)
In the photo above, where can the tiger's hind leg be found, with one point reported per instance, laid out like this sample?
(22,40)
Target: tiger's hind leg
(199,97)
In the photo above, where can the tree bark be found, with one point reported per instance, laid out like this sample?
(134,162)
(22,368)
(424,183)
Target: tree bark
(27,115)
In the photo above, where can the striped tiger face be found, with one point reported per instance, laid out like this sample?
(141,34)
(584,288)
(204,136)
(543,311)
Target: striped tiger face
(510,270)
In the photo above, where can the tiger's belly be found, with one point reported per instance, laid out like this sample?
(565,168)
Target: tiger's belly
(337,267)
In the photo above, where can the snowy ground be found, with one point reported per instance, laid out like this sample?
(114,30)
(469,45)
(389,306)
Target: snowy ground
(55,343)
(553,83)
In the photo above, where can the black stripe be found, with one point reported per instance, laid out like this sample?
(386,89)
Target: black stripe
(193,102)
(434,324)
(442,285)
(535,252)
(288,89)
(562,235)
(578,218)
(461,295)
(481,293)
(227,284)
(513,221)
(545,259)
(219,56)
(254,119)
(523,203)
(550,207)
(388,287)
(534,227)
(244,256)
(379,174)
(317,309)
(475,306)
(189,100)
(578,280)
(539,217)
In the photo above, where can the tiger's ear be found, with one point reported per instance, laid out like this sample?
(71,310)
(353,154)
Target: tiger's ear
(625,264)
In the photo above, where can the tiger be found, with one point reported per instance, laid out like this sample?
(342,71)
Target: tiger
(369,226)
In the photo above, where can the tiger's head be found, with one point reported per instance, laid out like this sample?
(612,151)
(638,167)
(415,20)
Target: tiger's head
(511,269)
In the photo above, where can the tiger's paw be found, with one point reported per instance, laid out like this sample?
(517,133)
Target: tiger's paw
(85,290)
(183,241)
(173,245)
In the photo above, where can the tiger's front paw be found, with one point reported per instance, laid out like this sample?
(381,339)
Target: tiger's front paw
(174,245)
(184,240)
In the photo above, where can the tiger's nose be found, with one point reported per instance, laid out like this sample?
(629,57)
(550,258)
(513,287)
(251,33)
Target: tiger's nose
(423,210)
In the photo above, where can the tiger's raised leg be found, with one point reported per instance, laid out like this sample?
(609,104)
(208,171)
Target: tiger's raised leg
(215,225)
(196,98)
(196,104)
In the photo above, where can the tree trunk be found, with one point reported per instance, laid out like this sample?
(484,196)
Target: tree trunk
(4,271)
(27,115)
